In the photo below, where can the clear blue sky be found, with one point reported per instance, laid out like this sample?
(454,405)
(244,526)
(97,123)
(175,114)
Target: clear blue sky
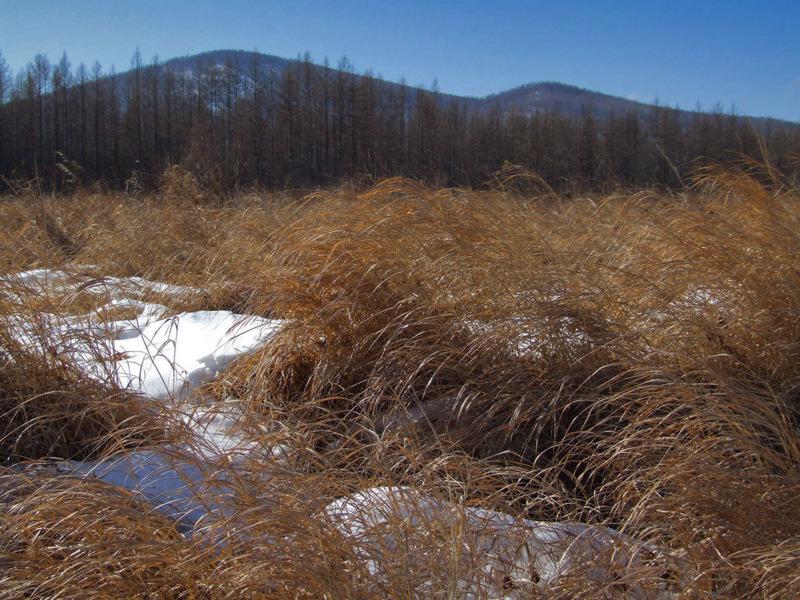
(740,52)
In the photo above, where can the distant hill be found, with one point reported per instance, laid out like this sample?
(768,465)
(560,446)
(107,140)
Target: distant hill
(572,100)
(546,96)
(528,99)
(242,58)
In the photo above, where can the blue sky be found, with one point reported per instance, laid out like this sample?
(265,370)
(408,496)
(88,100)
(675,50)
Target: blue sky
(736,52)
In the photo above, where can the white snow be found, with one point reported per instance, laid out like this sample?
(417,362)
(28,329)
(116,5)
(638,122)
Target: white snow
(156,356)
(38,278)
(120,287)
(527,335)
(167,358)
(52,281)
(159,357)
(496,553)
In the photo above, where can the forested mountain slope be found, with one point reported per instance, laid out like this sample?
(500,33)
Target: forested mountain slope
(236,118)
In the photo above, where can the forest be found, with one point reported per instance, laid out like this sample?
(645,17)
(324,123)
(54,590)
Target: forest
(301,125)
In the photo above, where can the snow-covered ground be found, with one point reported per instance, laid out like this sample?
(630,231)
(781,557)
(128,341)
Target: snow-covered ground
(53,281)
(485,551)
(166,357)
(187,491)
(158,356)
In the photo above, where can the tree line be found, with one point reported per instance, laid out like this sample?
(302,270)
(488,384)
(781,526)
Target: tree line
(302,124)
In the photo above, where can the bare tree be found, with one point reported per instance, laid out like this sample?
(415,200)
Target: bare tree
(5,85)
(82,79)
(40,70)
(97,74)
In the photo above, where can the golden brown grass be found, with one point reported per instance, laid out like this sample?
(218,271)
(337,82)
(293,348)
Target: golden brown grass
(630,361)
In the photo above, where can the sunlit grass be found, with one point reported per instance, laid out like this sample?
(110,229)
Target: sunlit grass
(629,361)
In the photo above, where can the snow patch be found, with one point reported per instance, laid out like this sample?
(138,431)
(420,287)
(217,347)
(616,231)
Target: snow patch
(41,281)
(496,553)
(168,358)
(150,354)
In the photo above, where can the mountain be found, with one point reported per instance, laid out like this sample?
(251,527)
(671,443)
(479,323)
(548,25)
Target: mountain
(568,99)
(527,99)
(574,101)
(243,59)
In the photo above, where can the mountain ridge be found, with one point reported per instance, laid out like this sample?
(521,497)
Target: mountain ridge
(528,98)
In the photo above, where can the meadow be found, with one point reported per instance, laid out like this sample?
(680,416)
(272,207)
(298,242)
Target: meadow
(446,393)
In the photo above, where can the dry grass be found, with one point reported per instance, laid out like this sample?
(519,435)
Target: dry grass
(630,361)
